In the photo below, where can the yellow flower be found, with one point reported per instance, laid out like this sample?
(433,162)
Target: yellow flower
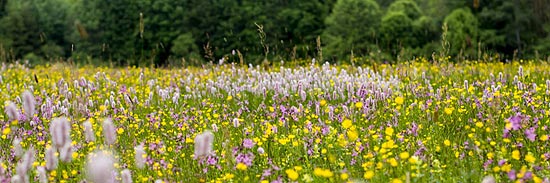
(448,110)
(352,135)
(346,123)
(479,124)
(241,166)
(359,105)
(6,131)
(322,172)
(393,162)
(323,102)
(396,180)
(404,155)
(399,100)
(292,175)
(368,175)
(530,158)
(447,143)
(544,137)
(516,155)
(344,176)
(120,131)
(389,131)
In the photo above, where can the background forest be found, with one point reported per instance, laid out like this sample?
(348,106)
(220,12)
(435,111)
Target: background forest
(163,32)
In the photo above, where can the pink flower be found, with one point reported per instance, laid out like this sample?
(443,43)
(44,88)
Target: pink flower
(126,176)
(109,131)
(42,176)
(100,167)
(51,159)
(11,111)
(203,144)
(139,159)
(26,163)
(66,153)
(488,179)
(88,131)
(60,130)
(18,150)
(28,104)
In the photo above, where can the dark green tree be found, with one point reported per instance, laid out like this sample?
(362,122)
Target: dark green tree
(352,26)
(463,32)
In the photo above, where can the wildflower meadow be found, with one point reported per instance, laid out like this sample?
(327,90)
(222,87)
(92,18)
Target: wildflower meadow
(409,122)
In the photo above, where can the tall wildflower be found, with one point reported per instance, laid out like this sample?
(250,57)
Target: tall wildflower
(109,131)
(60,130)
(66,153)
(488,179)
(203,144)
(126,176)
(25,165)
(88,131)
(139,157)
(42,176)
(51,159)
(18,150)
(11,111)
(100,167)
(28,104)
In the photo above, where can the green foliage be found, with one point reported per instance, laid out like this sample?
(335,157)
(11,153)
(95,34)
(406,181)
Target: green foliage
(409,7)
(184,46)
(397,31)
(463,31)
(144,32)
(352,27)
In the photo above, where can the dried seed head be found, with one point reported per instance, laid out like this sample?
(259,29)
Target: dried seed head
(109,131)
(60,130)
(100,167)
(28,104)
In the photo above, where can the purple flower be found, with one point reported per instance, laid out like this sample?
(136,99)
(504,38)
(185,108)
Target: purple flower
(245,159)
(530,134)
(516,121)
(247,143)
(501,162)
(512,175)
(528,175)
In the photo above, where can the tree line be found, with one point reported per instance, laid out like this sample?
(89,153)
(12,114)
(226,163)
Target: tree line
(140,32)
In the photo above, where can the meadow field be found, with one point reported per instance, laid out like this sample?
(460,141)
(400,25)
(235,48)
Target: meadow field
(410,122)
